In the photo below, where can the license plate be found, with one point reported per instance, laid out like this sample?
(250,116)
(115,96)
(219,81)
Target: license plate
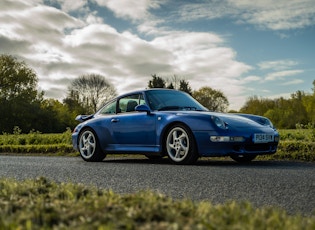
(263,138)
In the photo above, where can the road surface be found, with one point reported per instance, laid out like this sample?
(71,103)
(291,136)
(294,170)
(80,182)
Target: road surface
(288,185)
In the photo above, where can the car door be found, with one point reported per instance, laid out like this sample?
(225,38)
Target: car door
(132,130)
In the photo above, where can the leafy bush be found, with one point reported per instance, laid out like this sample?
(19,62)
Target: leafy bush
(42,204)
(36,138)
(295,144)
(306,135)
(58,148)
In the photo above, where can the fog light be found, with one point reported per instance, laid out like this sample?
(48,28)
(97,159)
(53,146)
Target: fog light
(237,139)
(220,139)
(226,139)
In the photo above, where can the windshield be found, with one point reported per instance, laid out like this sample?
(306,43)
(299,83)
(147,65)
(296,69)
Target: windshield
(172,100)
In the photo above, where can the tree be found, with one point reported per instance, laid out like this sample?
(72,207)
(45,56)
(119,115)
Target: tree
(156,82)
(258,106)
(17,80)
(212,99)
(19,98)
(174,82)
(184,86)
(284,113)
(90,91)
(170,86)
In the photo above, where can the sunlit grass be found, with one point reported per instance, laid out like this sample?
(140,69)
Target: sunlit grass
(295,144)
(43,204)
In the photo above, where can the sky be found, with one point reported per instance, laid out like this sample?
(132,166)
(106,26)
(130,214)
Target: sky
(244,48)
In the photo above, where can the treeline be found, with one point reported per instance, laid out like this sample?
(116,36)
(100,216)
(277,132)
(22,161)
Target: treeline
(296,112)
(23,107)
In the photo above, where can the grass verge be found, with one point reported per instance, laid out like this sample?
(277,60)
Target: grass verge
(295,144)
(43,204)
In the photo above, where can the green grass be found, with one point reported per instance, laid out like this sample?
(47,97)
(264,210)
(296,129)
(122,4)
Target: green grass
(305,135)
(43,204)
(36,138)
(295,144)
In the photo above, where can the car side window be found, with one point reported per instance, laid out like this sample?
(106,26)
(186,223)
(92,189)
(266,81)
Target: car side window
(128,104)
(109,108)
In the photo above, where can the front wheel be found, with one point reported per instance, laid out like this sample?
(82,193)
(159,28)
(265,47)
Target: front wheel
(89,146)
(243,158)
(180,145)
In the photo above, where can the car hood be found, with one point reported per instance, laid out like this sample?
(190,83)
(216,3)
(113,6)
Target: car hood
(232,120)
(238,121)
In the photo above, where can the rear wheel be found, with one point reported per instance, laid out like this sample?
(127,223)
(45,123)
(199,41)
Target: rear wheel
(180,145)
(243,158)
(89,146)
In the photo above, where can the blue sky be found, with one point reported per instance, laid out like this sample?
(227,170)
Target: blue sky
(241,47)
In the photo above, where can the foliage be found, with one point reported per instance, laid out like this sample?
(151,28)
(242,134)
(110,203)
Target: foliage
(284,113)
(159,82)
(18,94)
(156,82)
(36,142)
(298,134)
(43,204)
(22,105)
(184,86)
(212,99)
(51,149)
(295,144)
(91,91)
(35,138)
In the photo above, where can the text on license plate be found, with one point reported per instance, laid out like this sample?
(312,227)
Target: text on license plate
(263,138)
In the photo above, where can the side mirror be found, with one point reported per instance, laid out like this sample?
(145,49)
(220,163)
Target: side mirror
(143,108)
(82,118)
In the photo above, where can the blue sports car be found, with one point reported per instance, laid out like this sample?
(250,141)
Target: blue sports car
(163,122)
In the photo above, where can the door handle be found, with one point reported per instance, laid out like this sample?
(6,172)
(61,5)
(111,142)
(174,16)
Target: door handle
(114,120)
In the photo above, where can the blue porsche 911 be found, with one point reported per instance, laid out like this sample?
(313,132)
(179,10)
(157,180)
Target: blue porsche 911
(163,122)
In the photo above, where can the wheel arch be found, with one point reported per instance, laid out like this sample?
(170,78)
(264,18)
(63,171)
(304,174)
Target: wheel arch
(83,129)
(167,128)
(101,139)
(98,154)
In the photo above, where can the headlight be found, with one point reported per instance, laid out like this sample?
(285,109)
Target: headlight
(219,123)
(265,121)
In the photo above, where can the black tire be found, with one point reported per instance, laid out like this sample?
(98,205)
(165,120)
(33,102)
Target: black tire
(180,145)
(243,158)
(89,146)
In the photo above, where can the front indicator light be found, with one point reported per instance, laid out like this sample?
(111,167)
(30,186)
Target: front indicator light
(226,139)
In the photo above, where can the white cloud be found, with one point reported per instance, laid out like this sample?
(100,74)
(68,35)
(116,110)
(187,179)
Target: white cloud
(265,14)
(72,5)
(276,15)
(251,79)
(130,9)
(282,74)
(278,64)
(294,82)
(205,61)
(61,47)
(45,23)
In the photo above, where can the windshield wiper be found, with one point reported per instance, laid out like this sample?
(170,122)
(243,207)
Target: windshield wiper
(169,108)
(177,108)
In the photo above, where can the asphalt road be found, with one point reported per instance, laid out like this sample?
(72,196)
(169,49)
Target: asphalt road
(288,185)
